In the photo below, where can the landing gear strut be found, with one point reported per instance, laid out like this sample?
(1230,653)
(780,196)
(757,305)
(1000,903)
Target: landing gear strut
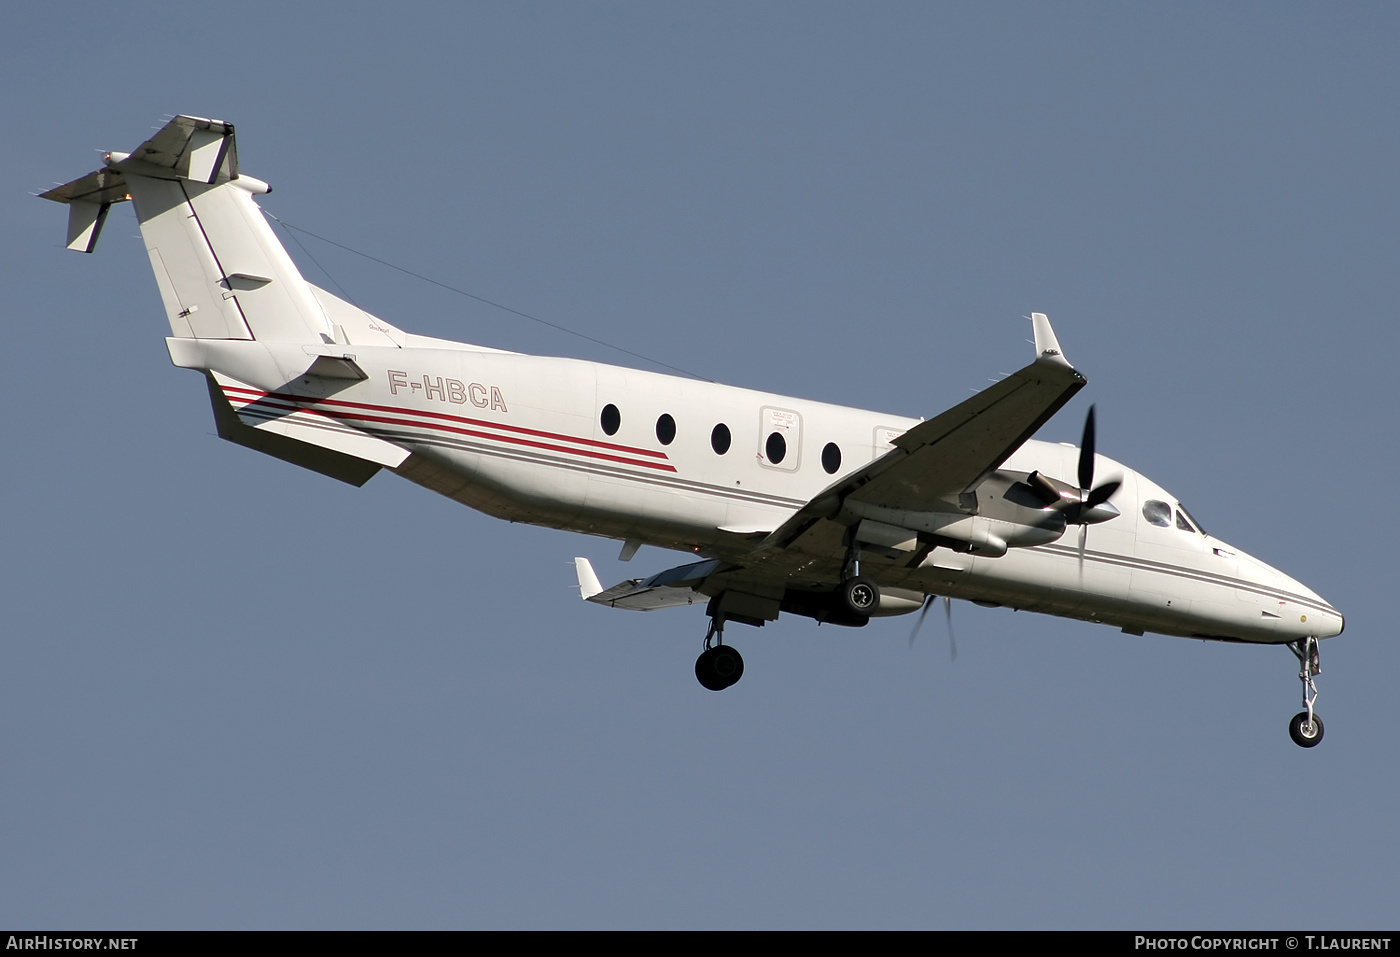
(719,665)
(1306,727)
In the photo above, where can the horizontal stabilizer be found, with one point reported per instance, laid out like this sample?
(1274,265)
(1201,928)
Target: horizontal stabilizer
(89,198)
(103,187)
(190,147)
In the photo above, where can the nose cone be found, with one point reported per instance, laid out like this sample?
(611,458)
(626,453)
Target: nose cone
(1313,615)
(1325,623)
(1301,610)
(1333,623)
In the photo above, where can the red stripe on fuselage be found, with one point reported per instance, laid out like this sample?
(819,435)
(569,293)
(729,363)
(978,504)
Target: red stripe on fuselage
(293,404)
(287,396)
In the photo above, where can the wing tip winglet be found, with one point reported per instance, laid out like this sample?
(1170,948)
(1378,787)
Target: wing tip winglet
(1047,346)
(588,583)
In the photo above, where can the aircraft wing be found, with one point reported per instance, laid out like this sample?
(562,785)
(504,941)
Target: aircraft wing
(939,459)
(930,466)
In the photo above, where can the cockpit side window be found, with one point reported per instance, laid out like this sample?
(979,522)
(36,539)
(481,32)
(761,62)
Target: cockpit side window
(1182,523)
(1158,513)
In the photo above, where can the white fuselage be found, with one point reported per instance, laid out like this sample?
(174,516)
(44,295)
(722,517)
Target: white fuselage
(523,438)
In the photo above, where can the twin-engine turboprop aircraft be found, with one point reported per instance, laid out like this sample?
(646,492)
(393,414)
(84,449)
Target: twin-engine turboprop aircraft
(791,506)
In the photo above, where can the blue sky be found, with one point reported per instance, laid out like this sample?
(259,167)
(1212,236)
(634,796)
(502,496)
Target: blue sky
(236,694)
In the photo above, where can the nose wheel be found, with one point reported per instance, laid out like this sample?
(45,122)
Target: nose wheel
(719,665)
(1306,727)
(1305,732)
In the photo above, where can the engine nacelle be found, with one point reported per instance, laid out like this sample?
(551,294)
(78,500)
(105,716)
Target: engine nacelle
(980,534)
(827,606)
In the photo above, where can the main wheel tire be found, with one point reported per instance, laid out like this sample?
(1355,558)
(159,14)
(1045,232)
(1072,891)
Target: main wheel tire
(728,664)
(705,672)
(1305,735)
(719,667)
(861,595)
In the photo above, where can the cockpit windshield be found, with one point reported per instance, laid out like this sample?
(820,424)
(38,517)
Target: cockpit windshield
(1161,515)
(1184,516)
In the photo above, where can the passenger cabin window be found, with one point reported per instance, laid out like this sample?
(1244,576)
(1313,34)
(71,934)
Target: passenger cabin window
(665,429)
(831,458)
(1158,513)
(719,439)
(780,439)
(611,419)
(776,447)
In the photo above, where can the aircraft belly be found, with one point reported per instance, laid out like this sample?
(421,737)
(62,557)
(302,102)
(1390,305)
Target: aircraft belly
(639,499)
(558,491)
(1048,579)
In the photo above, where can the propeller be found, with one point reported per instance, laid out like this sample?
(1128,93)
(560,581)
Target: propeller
(1092,497)
(1092,506)
(952,642)
(919,623)
(1083,506)
(948,613)
(1087,504)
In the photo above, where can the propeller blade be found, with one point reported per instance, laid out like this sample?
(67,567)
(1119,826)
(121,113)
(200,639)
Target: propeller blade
(1083,538)
(952,642)
(1086,452)
(928,603)
(1102,494)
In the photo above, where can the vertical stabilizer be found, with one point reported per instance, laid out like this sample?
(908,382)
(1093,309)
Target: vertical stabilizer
(221,271)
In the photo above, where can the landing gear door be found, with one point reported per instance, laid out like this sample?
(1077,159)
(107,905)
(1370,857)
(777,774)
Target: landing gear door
(779,439)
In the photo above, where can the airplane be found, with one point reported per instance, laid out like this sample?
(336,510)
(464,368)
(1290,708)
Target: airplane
(788,505)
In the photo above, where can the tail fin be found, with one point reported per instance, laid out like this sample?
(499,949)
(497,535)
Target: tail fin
(221,271)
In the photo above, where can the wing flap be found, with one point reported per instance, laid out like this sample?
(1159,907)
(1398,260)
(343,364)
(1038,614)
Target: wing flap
(668,589)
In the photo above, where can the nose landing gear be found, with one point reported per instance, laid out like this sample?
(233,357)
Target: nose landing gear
(1306,727)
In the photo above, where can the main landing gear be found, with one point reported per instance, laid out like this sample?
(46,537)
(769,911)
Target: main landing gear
(719,665)
(1306,727)
(858,593)
(861,595)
